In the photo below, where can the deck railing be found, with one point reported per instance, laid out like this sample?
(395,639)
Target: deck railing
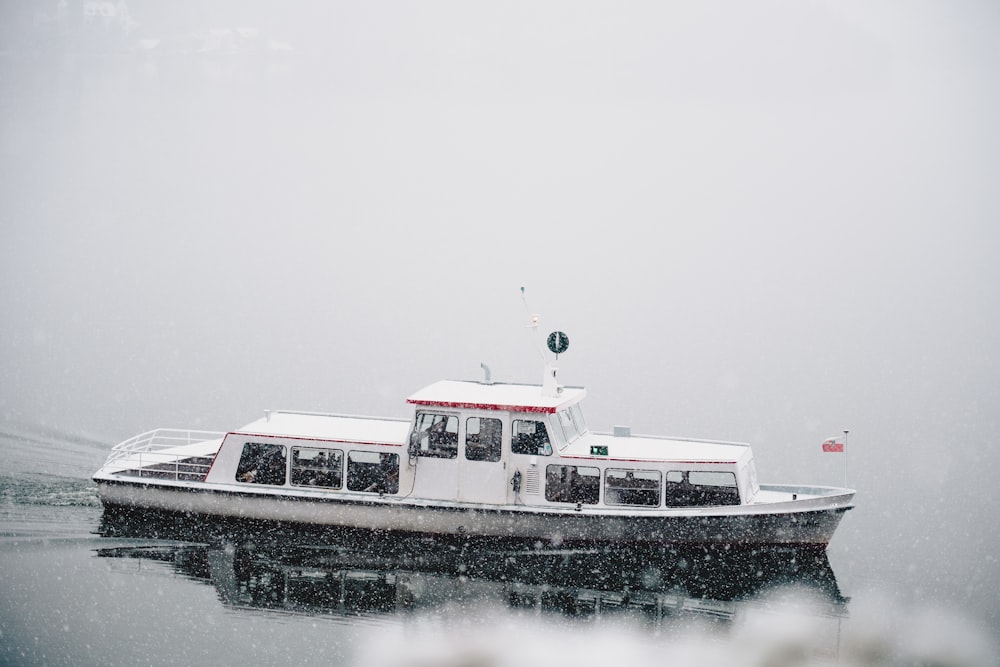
(159,454)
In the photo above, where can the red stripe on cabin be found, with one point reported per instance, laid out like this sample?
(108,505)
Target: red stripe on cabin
(484,406)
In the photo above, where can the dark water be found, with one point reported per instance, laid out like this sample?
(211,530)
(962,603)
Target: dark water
(81,587)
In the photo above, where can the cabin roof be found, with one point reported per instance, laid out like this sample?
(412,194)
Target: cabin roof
(497,396)
(650,448)
(342,428)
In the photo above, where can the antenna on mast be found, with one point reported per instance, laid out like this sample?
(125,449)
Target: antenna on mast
(532,324)
(557,343)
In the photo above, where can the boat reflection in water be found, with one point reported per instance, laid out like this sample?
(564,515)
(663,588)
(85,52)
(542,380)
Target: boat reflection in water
(354,574)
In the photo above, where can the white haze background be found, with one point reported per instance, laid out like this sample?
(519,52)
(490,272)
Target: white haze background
(765,221)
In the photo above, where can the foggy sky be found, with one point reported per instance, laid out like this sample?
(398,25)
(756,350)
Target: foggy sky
(765,221)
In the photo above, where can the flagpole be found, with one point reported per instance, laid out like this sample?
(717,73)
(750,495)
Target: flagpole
(845,458)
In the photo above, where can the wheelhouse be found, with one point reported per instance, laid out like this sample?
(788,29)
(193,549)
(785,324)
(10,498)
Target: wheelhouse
(514,444)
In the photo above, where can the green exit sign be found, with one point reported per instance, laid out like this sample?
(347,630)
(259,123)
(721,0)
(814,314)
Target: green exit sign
(598,450)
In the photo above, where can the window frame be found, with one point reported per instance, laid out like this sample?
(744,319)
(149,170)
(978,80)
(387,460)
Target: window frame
(686,493)
(335,470)
(441,444)
(560,489)
(493,451)
(619,492)
(379,476)
(567,420)
(249,466)
(542,448)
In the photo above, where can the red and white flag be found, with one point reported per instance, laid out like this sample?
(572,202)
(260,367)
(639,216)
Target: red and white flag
(833,445)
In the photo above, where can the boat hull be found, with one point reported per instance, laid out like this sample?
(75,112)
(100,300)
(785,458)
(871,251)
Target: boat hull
(808,523)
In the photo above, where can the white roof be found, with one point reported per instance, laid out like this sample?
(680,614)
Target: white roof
(330,427)
(504,397)
(501,397)
(649,448)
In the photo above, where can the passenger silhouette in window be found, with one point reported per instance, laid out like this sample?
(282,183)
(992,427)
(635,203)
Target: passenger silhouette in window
(262,463)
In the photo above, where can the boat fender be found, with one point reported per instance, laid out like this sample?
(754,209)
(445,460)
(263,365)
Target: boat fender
(515,481)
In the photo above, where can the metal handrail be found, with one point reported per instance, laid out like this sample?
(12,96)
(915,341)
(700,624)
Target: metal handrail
(161,438)
(154,453)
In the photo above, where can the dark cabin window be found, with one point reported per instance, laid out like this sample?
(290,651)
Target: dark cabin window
(632,487)
(436,435)
(373,472)
(530,437)
(701,488)
(572,484)
(262,463)
(317,467)
(482,439)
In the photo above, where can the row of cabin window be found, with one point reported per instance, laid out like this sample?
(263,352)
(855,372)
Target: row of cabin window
(695,488)
(437,437)
(265,463)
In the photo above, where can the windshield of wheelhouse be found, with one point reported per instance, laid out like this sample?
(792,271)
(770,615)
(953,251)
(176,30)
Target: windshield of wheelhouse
(571,421)
(577,415)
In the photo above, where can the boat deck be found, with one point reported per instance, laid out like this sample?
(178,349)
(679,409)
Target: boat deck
(166,454)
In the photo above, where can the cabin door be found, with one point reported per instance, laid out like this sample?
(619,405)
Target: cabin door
(434,441)
(481,464)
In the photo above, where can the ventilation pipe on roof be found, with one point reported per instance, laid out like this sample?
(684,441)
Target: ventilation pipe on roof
(486,369)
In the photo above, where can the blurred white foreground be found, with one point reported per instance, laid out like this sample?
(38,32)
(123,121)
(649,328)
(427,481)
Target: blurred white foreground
(786,629)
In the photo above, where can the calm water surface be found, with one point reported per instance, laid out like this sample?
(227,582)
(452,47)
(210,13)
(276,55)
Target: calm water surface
(83,588)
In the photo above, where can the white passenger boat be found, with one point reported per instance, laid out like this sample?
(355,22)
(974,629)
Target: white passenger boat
(476,459)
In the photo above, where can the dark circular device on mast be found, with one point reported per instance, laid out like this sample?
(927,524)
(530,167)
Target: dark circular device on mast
(558,342)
